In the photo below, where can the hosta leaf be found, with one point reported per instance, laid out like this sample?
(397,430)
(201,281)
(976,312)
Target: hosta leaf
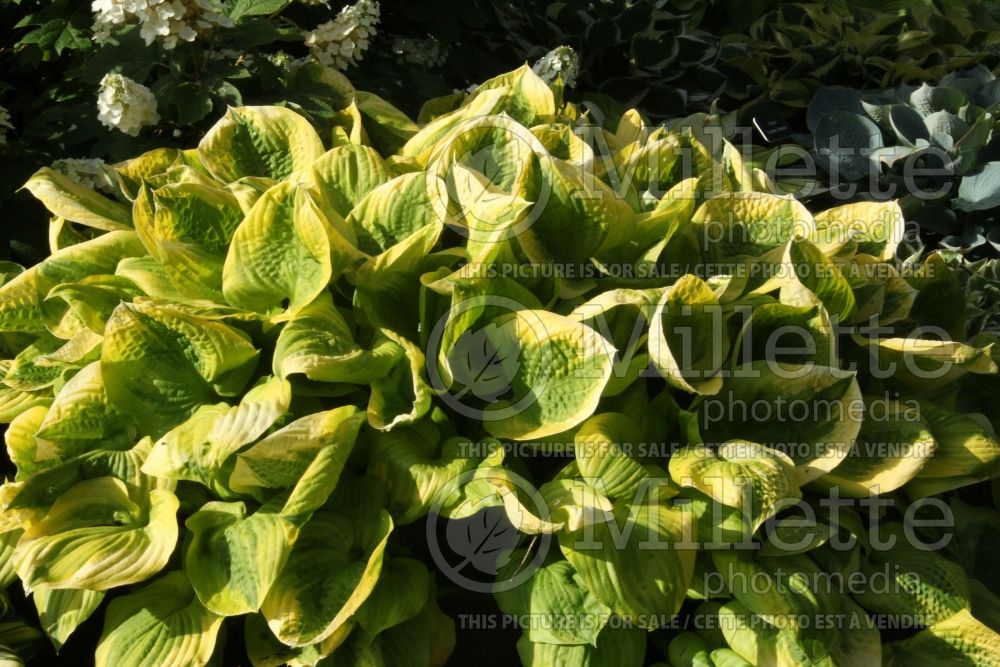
(750,477)
(819,421)
(68,199)
(749,223)
(330,572)
(959,640)
(809,279)
(559,369)
(615,647)
(525,97)
(565,611)
(198,448)
(891,450)
(94,536)
(82,417)
(393,211)
(162,623)
(62,611)
(878,227)
(344,175)
(688,342)
(21,297)
(280,459)
(284,253)
(160,364)
(259,141)
(319,343)
(639,563)
(967,451)
(603,449)
(234,557)
(187,227)
(399,595)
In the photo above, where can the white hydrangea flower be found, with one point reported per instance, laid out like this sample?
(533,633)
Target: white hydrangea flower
(422,52)
(561,60)
(166,20)
(90,173)
(125,104)
(341,42)
(5,125)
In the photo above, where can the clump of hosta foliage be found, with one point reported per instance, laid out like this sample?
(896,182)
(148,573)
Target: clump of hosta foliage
(901,135)
(789,53)
(241,375)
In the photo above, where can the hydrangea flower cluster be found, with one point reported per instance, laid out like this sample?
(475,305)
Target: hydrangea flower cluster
(125,104)
(166,20)
(90,173)
(560,61)
(5,125)
(422,52)
(341,42)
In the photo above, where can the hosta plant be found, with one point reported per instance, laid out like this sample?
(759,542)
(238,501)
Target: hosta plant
(933,144)
(788,53)
(243,383)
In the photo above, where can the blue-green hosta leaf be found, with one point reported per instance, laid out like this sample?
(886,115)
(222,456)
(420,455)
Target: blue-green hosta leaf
(616,647)
(748,223)
(285,252)
(187,228)
(280,459)
(688,339)
(160,364)
(907,123)
(844,143)
(980,191)
(21,297)
(877,227)
(259,141)
(639,563)
(809,278)
(95,537)
(65,198)
(234,557)
(559,369)
(562,610)
(319,343)
(928,99)
(82,417)
(832,98)
(160,624)
(812,409)
(889,452)
(344,175)
(399,595)
(602,447)
(330,572)
(958,640)
(62,611)
(749,477)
